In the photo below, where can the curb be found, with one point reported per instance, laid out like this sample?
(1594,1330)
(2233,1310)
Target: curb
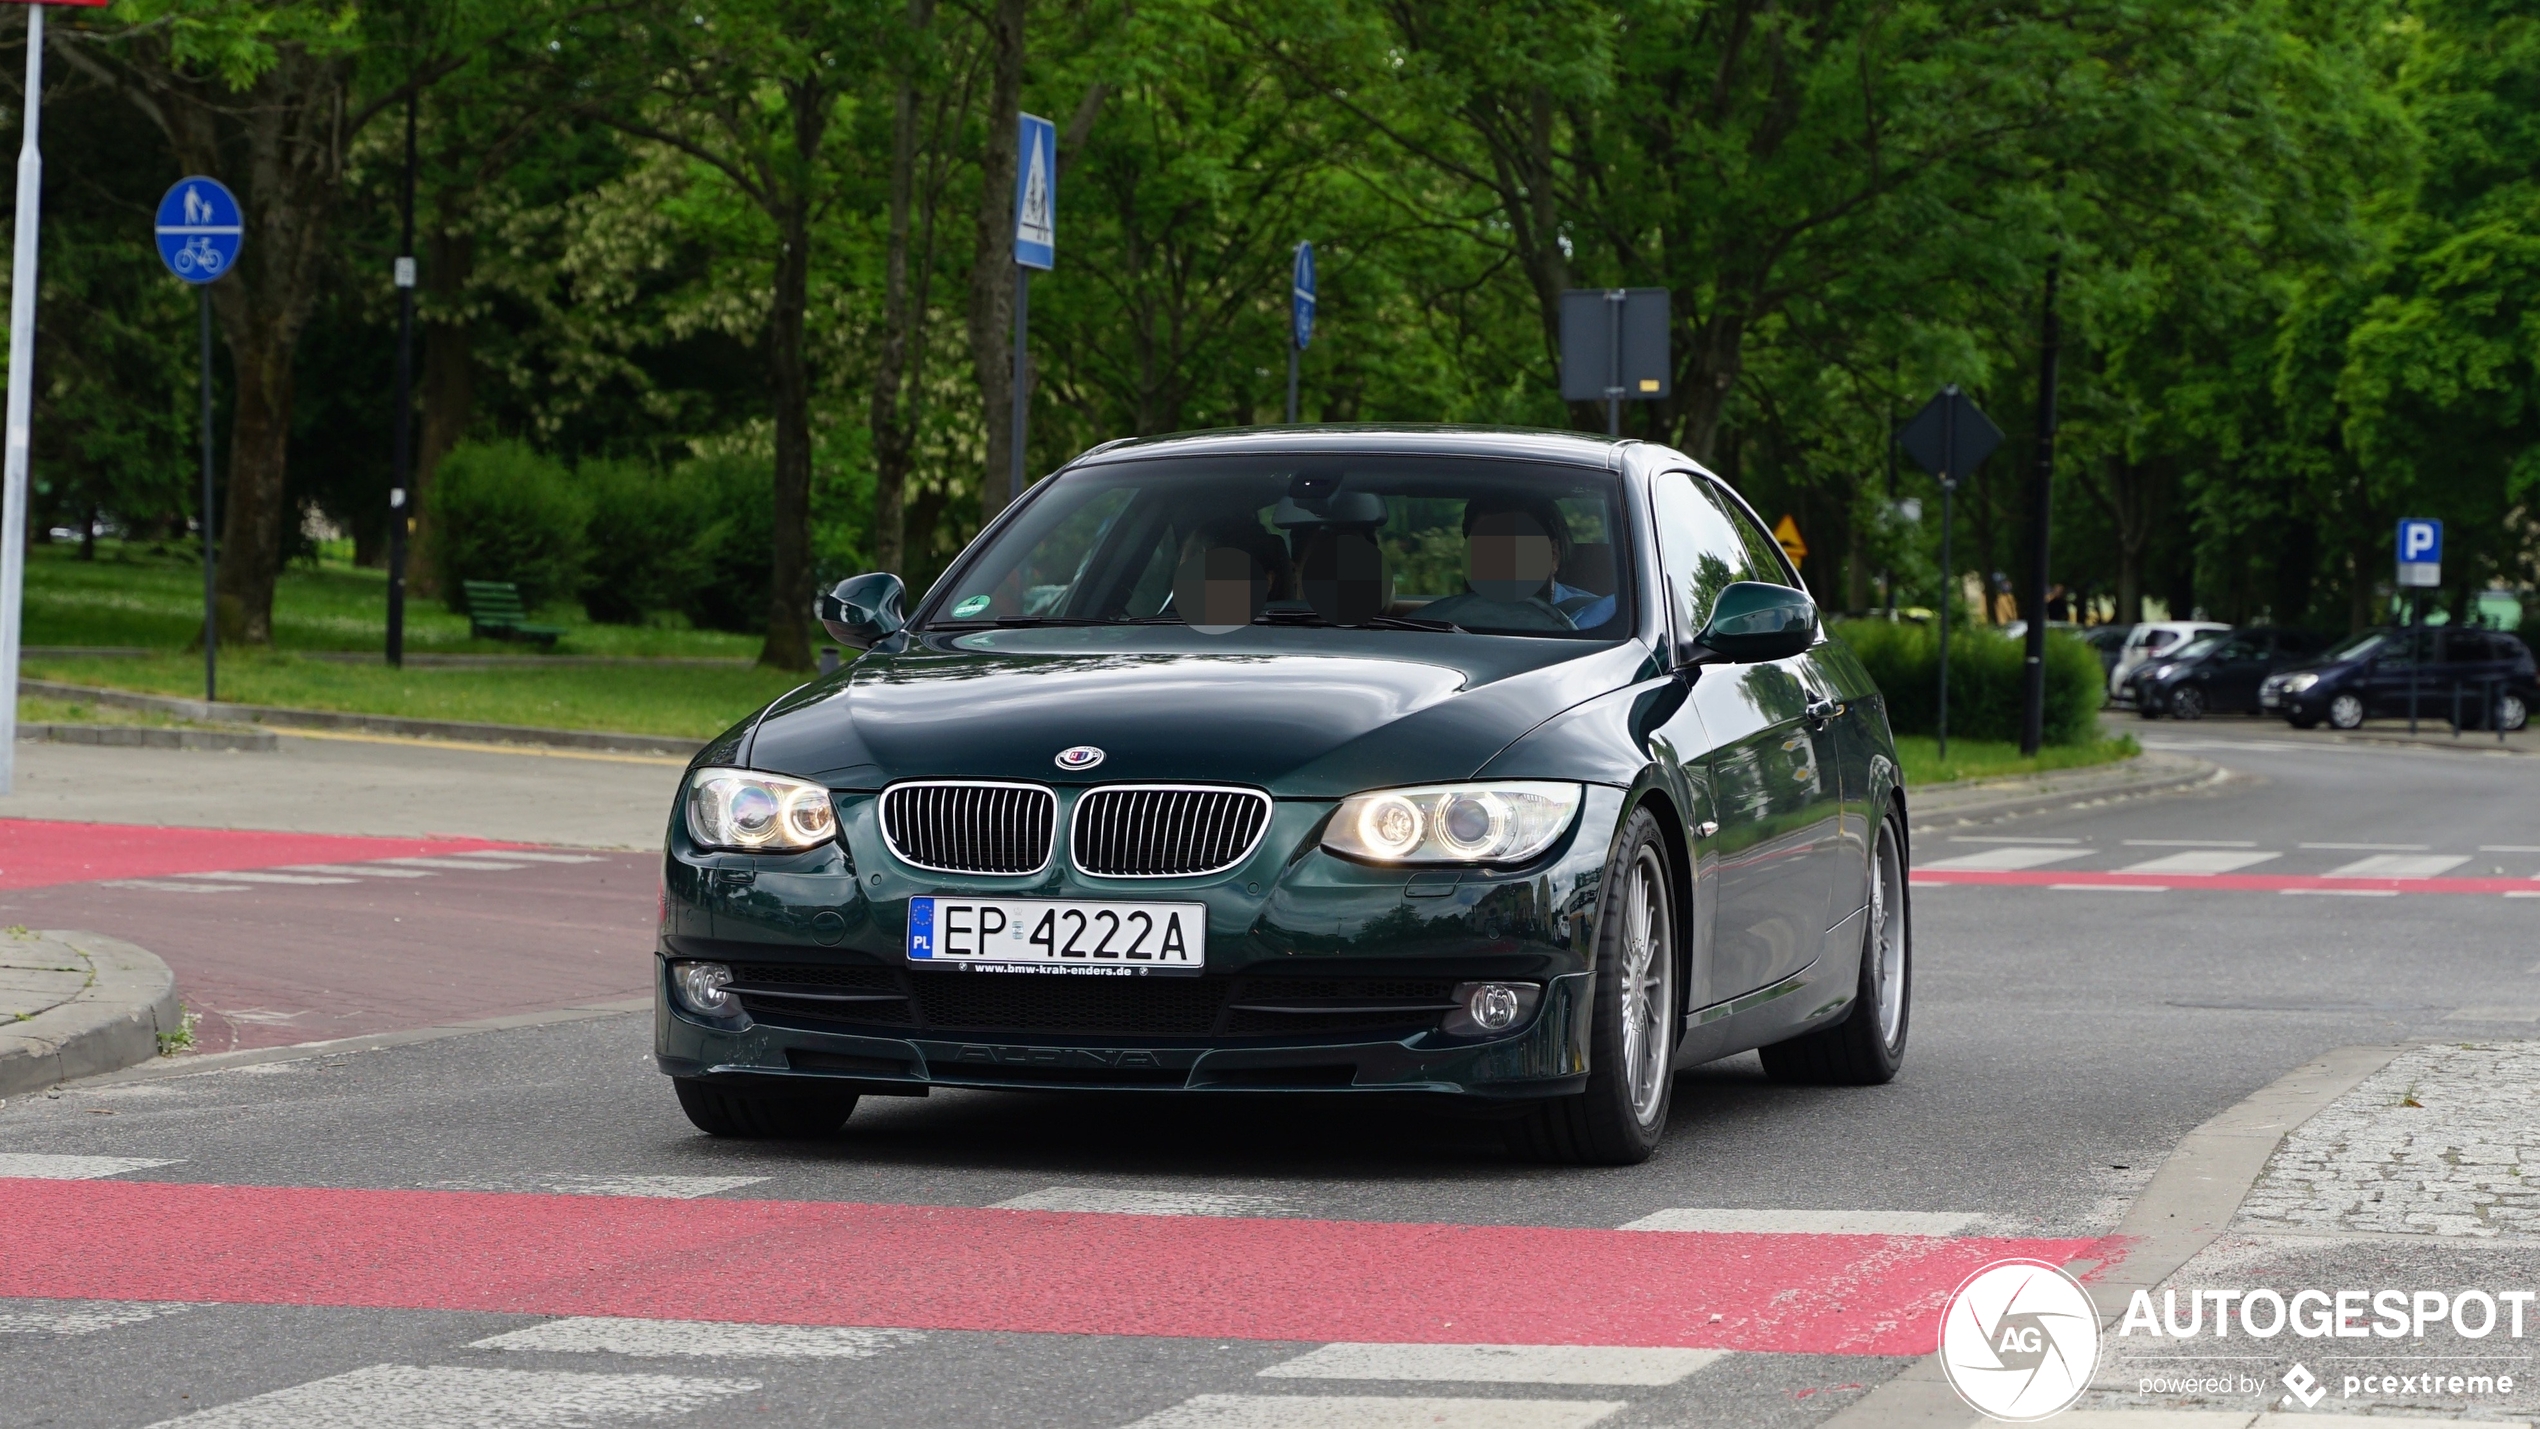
(202,1063)
(143,736)
(283,718)
(2187,1206)
(2149,773)
(113,1023)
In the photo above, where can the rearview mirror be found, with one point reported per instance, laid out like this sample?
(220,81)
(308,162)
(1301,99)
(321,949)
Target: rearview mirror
(1752,621)
(863,610)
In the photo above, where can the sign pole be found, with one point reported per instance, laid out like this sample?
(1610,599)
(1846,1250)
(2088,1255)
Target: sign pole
(1948,493)
(1291,382)
(1022,375)
(211,626)
(2041,526)
(399,518)
(1035,246)
(1614,367)
(21,399)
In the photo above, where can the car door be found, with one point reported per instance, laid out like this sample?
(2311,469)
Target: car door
(2232,673)
(2395,673)
(1774,780)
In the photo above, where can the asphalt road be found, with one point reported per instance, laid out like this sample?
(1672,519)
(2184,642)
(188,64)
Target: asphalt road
(415,1221)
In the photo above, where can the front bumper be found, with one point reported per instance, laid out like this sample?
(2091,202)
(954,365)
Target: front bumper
(1293,928)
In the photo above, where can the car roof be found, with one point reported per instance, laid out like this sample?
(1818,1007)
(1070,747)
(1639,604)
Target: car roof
(1372,439)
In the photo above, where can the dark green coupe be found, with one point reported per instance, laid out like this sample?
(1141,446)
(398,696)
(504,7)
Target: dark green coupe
(1502,767)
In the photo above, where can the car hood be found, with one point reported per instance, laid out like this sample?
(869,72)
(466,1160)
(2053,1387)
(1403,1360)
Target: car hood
(1302,712)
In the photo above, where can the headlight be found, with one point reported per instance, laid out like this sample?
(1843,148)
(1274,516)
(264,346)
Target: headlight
(2164,672)
(734,808)
(2296,684)
(1453,823)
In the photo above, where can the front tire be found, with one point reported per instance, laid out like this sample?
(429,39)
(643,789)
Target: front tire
(1868,1045)
(761,1116)
(2188,703)
(1620,1118)
(2346,712)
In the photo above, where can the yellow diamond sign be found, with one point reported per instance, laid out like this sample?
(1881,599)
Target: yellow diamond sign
(1788,534)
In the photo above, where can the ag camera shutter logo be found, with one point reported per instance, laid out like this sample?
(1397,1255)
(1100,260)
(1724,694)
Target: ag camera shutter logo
(2019,1341)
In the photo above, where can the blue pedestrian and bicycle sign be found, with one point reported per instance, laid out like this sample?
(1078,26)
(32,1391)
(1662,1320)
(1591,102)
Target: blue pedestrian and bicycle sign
(1301,295)
(1036,194)
(199,229)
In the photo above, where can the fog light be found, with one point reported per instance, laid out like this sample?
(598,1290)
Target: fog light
(1485,1009)
(700,988)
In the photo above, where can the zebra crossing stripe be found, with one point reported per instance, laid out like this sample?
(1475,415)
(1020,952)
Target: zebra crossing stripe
(40,1166)
(357,870)
(1496,1364)
(1298,1411)
(704,1339)
(389,1396)
(81,1317)
(1106,1201)
(1737,1222)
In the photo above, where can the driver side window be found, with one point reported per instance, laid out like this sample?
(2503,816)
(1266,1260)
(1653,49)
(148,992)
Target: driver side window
(1698,548)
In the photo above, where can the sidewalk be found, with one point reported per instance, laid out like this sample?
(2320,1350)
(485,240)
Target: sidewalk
(1970,801)
(76,1004)
(357,785)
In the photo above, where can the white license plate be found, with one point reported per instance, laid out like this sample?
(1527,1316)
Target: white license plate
(1047,935)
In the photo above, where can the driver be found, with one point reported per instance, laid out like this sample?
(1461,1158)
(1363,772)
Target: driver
(1514,548)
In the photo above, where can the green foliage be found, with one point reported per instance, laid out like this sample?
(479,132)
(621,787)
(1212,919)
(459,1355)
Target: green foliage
(644,551)
(1984,680)
(731,545)
(502,512)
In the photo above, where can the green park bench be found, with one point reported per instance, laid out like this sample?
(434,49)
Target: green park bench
(495,612)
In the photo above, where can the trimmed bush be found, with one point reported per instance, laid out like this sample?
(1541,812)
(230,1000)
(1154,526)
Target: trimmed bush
(502,512)
(642,539)
(733,541)
(1984,680)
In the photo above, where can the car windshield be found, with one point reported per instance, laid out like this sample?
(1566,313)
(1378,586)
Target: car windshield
(2200,647)
(2355,647)
(1384,543)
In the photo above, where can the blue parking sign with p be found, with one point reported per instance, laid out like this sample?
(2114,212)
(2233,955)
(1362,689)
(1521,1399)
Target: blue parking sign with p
(2420,540)
(199,229)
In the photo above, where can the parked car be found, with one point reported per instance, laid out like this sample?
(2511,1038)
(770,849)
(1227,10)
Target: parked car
(2216,674)
(1509,769)
(2486,675)
(2108,641)
(2155,637)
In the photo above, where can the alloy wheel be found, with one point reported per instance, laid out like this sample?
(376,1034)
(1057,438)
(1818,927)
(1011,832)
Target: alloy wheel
(2511,712)
(2346,712)
(1649,978)
(1887,932)
(2188,703)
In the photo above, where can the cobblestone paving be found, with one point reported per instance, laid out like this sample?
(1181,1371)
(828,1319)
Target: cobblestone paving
(2444,1141)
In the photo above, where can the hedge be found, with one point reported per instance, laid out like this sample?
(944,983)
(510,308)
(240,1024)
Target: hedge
(502,512)
(1984,680)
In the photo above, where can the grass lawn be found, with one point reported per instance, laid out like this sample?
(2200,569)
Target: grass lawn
(685,700)
(129,596)
(1997,758)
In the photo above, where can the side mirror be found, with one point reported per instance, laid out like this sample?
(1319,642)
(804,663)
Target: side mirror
(1752,621)
(863,610)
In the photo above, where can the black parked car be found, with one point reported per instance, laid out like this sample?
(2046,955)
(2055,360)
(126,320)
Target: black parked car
(2485,675)
(2216,674)
(1510,769)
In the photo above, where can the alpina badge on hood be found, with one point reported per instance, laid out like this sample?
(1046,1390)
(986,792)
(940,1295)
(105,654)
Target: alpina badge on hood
(1082,756)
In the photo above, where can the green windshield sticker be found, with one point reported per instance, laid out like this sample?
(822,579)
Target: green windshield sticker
(970,605)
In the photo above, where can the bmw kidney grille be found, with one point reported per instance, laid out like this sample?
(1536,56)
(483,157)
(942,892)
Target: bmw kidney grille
(1166,831)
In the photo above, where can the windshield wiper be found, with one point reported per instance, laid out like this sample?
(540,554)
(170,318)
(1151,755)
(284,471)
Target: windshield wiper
(1373,622)
(1043,622)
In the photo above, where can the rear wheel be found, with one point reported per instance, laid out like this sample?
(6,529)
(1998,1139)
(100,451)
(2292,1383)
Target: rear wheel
(2188,703)
(761,1116)
(2346,712)
(1868,1045)
(1619,1119)
(2511,712)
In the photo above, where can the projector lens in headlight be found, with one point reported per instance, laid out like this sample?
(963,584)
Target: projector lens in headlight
(1453,823)
(739,809)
